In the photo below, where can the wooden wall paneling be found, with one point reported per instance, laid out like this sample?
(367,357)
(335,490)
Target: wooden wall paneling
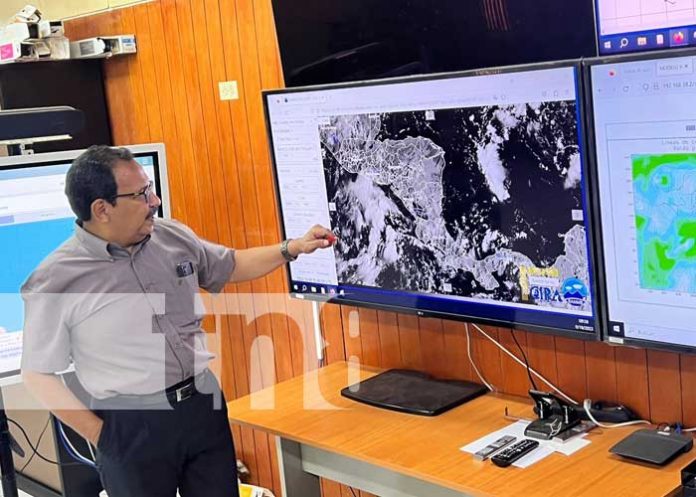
(226,128)
(541,352)
(254,454)
(432,345)
(234,377)
(243,169)
(389,344)
(332,332)
(350,317)
(600,371)
(251,92)
(456,360)
(236,156)
(165,98)
(486,355)
(310,339)
(687,363)
(261,164)
(269,51)
(369,338)
(202,121)
(235,381)
(329,488)
(332,327)
(230,42)
(197,171)
(570,361)
(299,333)
(515,377)
(632,380)
(147,60)
(186,161)
(281,337)
(116,73)
(225,60)
(140,119)
(277,281)
(664,386)
(212,180)
(409,338)
(119,95)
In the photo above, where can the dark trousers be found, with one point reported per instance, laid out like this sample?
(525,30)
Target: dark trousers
(149,452)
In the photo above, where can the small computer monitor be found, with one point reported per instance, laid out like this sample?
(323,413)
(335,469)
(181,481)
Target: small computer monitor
(625,26)
(35,219)
(642,111)
(455,195)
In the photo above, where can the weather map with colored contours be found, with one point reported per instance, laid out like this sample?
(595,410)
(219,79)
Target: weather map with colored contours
(665,218)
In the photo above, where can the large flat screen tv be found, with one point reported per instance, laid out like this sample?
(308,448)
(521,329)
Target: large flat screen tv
(349,40)
(35,219)
(456,195)
(644,124)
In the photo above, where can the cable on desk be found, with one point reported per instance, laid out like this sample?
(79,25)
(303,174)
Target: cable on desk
(471,360)
(587,404)
(526,361)
(532,370)
(352,491)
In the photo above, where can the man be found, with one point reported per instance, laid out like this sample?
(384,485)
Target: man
(117,299)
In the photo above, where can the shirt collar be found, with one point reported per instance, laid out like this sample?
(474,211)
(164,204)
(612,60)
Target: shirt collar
(101,248)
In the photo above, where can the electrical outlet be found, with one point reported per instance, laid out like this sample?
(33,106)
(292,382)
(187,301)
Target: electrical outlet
(228,90)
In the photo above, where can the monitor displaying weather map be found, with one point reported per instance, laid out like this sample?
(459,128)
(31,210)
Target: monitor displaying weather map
(645,131)
(458,195)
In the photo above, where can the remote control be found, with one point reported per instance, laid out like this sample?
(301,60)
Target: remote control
(489,449)
(506,457)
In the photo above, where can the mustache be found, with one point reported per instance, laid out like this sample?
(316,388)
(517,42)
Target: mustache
(153,211)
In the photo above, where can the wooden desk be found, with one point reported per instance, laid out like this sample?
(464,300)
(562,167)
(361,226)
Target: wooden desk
(392,454)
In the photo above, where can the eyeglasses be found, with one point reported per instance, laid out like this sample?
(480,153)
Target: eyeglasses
(145,193)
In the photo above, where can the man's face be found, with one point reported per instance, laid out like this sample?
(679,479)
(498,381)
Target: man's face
(132,216)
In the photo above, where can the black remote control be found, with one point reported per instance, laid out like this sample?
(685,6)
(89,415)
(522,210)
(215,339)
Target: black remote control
(507,456)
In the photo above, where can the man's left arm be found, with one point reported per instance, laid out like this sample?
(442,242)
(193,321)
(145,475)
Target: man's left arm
(257,262)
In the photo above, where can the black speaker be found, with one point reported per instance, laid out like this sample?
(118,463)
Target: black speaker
(20,124)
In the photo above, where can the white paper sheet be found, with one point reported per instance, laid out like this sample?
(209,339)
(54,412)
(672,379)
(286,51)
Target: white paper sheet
(545,448)
(534,456)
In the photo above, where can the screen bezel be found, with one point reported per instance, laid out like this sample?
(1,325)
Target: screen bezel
(596,208)
(156,150)
(575,64)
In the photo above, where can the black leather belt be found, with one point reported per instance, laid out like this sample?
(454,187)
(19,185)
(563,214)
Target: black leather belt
(181,391)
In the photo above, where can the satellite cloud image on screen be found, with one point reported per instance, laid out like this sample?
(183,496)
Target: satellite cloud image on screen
(479,202)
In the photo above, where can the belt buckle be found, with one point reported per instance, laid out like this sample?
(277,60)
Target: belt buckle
(184,392)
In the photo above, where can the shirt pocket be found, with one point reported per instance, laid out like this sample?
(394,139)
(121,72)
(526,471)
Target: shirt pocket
(182,305)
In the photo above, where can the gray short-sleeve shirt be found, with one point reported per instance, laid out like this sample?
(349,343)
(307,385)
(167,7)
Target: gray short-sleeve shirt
(128,320)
